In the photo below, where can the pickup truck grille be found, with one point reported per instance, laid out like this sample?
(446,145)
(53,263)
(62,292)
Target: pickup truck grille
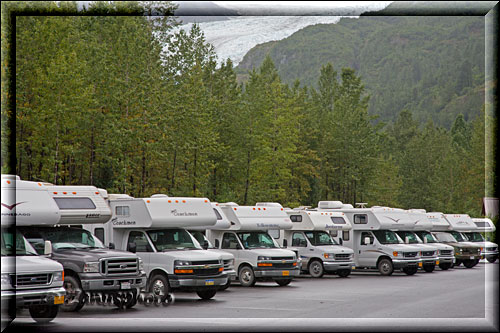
(427,253)
(343,256)
(491,249)
(31,280)
(119,266)
(446,252)
(410,254)
(471,251)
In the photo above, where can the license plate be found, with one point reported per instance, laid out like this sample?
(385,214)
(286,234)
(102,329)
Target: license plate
(209,282)
(437,262)
(419,264)
(286,273)
(472,257)
(59,300)
(125,285)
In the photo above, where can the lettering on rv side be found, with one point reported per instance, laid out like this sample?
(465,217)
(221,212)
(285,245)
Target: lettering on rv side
(11,207)
(330,226)
(115,221)
(267,225)
(174,212)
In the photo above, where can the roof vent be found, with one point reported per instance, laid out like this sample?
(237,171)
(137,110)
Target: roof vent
(159,196)
(269,204)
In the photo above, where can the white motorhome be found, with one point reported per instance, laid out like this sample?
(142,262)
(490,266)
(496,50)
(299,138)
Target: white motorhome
(310,239)
(373,238)
(489,249)
(446,229)
(29,280)
(257,255)
(199,233)
(155,229)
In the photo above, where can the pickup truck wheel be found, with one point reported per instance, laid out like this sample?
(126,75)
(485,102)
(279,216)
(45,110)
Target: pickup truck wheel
(410,270)
(444,267)
(469,263)
(385,267)
(206,294)
(491,259)
(73,301)
(316,269)
(43,313)
(429,268)
(344,273)
(283,282)
(159,287)
(246,277)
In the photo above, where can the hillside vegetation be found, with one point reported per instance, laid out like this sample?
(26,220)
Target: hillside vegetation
(433,66)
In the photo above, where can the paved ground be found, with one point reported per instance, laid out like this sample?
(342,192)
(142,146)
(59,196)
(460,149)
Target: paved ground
(456,300)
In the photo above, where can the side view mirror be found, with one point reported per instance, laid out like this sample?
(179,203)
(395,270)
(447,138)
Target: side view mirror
(407,240)
(111,246)
(205,244)
(132,247)
(285,243)
(217,243)
(341,242)
(367,240)
(425,240)
(48,248)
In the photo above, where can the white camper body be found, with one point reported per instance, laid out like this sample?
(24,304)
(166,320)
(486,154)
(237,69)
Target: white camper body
(489,249)
(257,255)
(310,239)
(373,240)
(29,280)
(155,229)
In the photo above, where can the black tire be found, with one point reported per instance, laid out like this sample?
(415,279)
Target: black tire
(159,287)
(458,262)
(74,299)
(246,276)
(283,282)
(224,287)
(385,267)
(316,269)
(44,313)
(445,266)
(476,262)
(429,268)
(207,294)
(410,270)
(491,260)
(469,263)
(344,273)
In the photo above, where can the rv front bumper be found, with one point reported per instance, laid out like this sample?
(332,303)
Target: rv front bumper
(430,261)
(446,260)
(231,274)
(26,298)
(397,264)
(333,266)
(276,273)
(178,281)
(96,282)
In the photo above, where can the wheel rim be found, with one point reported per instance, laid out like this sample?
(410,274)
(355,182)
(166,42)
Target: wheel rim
(246,276)
(315,268)
(70,293)
(385,267)
(158,287)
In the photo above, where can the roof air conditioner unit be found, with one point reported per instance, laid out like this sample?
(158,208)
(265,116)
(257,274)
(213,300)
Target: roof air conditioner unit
(330,204)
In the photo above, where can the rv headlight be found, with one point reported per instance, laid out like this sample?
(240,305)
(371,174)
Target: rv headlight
(91,267)
(58,277)
(263,258)
(141,265)
(6,281)
(182,263)
(329,255)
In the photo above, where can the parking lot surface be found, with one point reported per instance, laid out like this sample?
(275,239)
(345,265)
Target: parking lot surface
(459,299)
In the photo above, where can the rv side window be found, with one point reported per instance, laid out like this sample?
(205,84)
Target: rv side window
(122,211)
(337,220)
(296,218)
(99,233)
(140,240)
(74,203)
(275,233)
(219,217)
(298,239)
(482,224)
(229,241)
(360,219)
(345,235)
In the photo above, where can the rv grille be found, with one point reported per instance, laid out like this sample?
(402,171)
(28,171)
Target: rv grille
(119,266)
(31,280)
(206,272)
(410,254)
(342,256)
(205,262)
(427,253)
(285,265)
(446,252)
(281,258)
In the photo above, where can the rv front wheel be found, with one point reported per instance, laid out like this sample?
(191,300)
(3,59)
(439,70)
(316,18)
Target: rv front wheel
(429,268)
(246,277)
(385,267)
(316,269)
(44,313)
(410,270)
(344,273)
(282,282)
(206,294)
(445,266)
(74,299)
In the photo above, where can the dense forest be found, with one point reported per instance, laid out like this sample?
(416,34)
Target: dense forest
(100,101)
(431,65)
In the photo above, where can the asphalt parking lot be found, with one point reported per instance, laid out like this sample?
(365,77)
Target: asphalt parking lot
(459,299)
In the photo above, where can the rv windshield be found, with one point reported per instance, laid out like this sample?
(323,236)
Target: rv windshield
(386,237)
(426,235)
(474,237)
(201,238)
(65,238)
(458,236)
(445,237)
(412,238)
(173,239)
(15,247)
(256,239)
(317,238)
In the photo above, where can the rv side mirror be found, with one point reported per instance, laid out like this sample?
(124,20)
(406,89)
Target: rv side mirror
(407,240)
(216,243)
(205,244)
(367,240)
(132,247)
(48,248)
(285,243)
(425,240)
(111,246)
(341,241)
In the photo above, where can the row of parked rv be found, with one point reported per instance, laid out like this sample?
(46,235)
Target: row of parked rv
(71,241)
